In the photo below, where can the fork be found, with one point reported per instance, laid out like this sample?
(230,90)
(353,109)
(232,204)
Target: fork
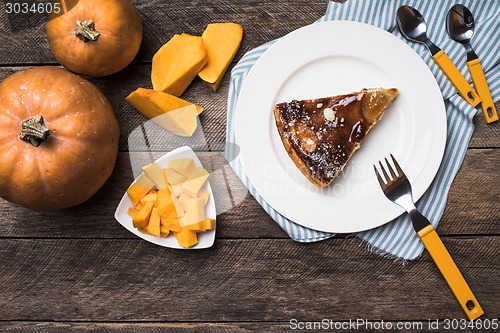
(397,188)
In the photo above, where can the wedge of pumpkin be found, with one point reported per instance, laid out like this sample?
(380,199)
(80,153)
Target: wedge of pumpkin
(222,41)
(177,63)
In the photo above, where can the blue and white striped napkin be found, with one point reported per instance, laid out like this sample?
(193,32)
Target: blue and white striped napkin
(397,239)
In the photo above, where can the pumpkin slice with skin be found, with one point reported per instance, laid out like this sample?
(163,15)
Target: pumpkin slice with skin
(222,41)
(177,63)
(152,103)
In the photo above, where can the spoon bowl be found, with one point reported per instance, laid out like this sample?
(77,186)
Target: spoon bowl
(460,27)
(413,27)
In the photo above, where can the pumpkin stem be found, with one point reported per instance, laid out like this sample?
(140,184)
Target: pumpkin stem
(85,30)
(34,131)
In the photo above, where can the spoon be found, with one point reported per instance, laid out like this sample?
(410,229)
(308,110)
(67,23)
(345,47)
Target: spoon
(460,28)
(413,27)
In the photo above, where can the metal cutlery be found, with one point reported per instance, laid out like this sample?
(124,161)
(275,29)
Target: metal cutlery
(460,28)
(397,188)
(413,27)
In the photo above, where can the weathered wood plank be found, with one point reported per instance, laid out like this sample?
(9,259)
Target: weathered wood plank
(478,214)
(330,325)
(24,40)
(486,135)
(235,280)
(474,196)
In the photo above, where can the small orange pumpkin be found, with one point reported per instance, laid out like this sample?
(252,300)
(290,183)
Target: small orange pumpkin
(95,37)
(58,138)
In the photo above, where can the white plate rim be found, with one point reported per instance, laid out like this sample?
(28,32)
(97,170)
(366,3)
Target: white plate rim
(391,211)
(205,239)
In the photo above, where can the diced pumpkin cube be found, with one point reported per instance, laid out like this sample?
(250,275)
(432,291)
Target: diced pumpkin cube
(184,166)
(154,223)
(144,231)
(136,193)
(184,197)
(204,194)
(171,224)
(153,197)
(164,195)
(177,63)
(139,205)
(154,173)
(209,224)
(197,227)
(195,211)
(179,207)
(195,181)
(166,208)
(222,41)
(144,182)
(164,231)
(132,212)
(173,177)
(177,190)
(141,220)
(186,238)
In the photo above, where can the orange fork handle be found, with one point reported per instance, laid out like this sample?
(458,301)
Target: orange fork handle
(456,78)
(476,71)
(450,271)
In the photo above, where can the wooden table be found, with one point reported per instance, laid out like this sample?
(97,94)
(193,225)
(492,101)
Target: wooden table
(79,269)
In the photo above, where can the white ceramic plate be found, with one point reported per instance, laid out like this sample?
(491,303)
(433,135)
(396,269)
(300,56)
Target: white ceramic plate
(327,59)
(205,239)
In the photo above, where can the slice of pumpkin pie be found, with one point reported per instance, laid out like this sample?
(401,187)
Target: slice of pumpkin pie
(320,135)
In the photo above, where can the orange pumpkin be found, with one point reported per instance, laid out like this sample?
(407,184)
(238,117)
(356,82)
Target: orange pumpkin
(58,138)
(95,37)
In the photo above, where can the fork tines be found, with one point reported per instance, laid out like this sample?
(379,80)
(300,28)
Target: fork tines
(386,180)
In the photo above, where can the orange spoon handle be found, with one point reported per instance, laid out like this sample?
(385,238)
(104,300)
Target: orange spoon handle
(450,272)
(476,71)
(456,78)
